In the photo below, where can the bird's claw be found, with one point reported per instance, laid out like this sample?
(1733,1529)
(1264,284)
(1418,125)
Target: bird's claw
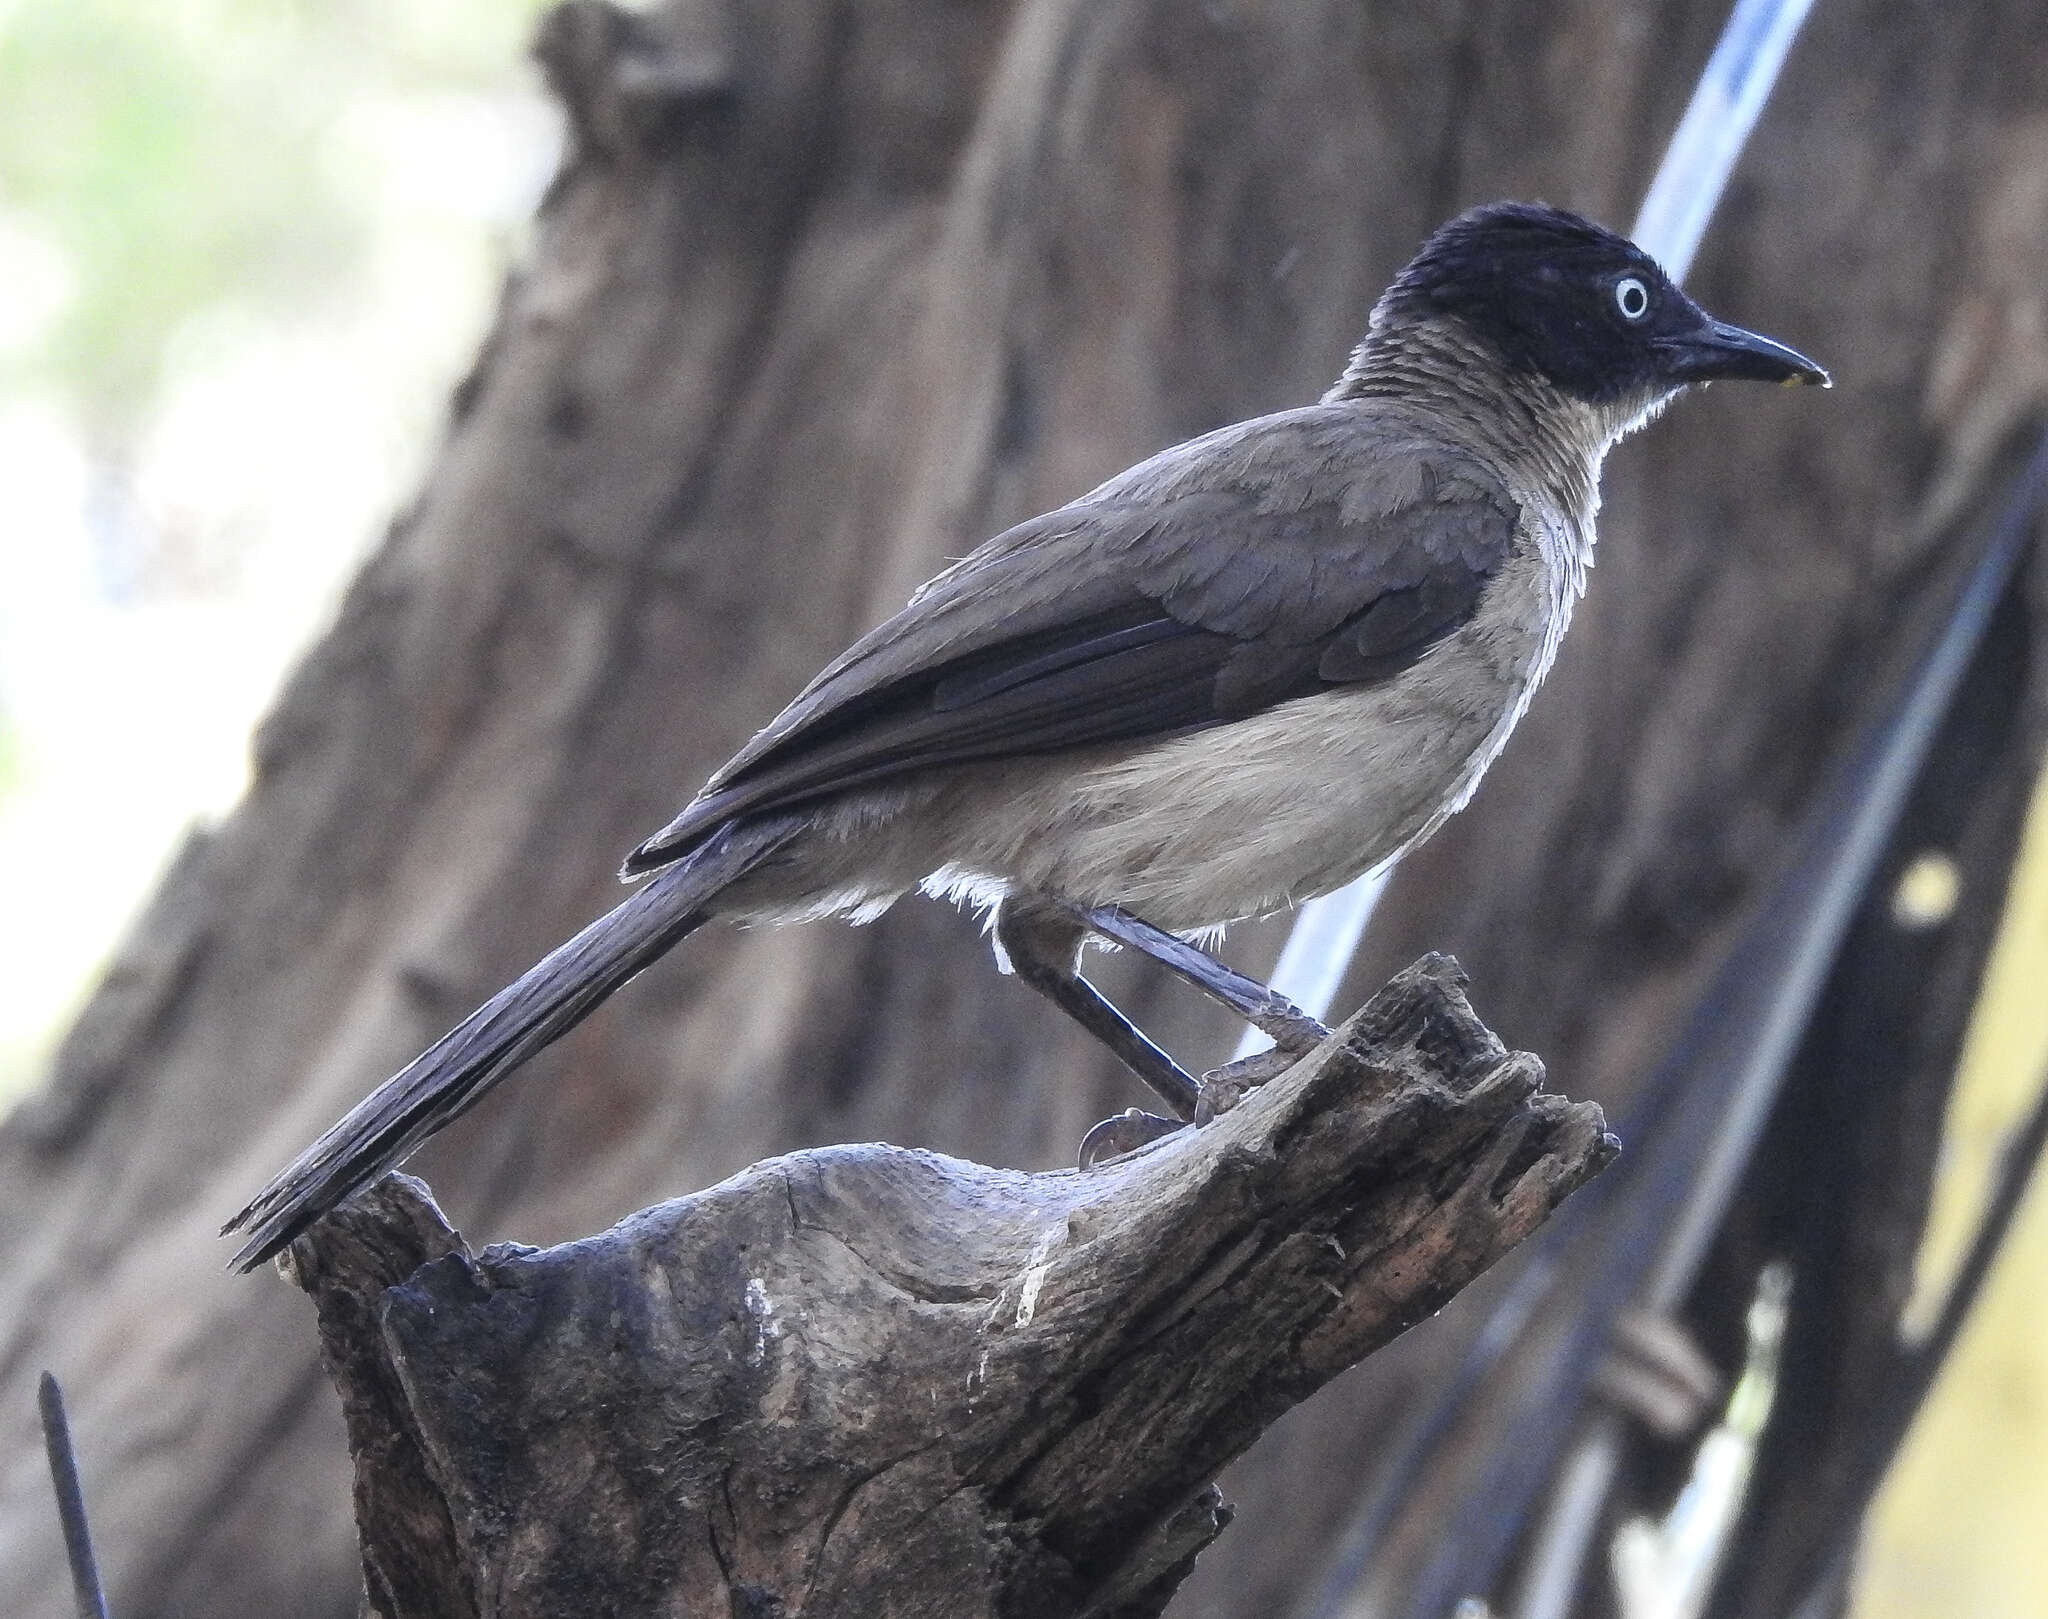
(1127,1132)
(1218,1097)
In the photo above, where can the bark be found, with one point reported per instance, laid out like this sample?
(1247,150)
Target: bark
(825,293)
(869,1381)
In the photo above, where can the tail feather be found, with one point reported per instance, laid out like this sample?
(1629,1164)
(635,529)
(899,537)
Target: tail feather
(541,1006)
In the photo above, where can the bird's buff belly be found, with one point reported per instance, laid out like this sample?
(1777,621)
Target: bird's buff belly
(1253,817)
(1236,821)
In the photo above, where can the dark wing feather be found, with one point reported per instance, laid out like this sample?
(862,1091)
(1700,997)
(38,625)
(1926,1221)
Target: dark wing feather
(1213,582)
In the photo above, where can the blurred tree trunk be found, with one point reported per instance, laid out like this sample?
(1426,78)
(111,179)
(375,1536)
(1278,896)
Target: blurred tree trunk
(824,294)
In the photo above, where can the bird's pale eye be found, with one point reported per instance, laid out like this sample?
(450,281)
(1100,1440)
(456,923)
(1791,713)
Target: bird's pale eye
(1631,297)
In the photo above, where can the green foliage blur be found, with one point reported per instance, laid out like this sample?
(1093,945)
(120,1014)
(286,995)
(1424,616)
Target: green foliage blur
(160,159)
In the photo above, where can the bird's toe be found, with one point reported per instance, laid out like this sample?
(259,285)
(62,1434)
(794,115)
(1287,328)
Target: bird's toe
(1127,1132)
(1223,1088)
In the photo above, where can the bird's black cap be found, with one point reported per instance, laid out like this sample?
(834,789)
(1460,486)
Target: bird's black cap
(1568,300)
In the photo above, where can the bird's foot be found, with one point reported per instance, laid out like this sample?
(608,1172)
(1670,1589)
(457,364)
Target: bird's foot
(1223,1088)
(1127,1132)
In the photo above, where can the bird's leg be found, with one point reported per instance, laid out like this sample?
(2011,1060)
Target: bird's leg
(1273,1015)
(1042,943)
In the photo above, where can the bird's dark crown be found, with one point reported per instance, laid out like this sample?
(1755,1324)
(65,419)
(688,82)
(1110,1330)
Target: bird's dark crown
(1544,290)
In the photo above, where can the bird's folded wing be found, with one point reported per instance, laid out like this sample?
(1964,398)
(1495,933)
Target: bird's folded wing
(1268,562)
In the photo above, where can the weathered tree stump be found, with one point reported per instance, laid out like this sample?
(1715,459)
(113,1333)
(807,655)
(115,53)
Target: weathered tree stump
(869,1381)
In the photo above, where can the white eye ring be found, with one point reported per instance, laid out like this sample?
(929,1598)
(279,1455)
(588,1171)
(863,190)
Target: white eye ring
(1631,297)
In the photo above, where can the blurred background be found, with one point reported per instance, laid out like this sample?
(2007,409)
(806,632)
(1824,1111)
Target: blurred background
(249,252)
(245,250)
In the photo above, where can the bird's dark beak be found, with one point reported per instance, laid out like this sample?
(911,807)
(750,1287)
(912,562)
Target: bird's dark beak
(1716,352)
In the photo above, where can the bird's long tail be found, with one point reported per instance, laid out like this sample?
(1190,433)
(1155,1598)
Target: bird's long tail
(541,1006)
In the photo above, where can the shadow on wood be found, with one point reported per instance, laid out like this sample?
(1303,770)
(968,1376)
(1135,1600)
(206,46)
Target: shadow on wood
(868,1381)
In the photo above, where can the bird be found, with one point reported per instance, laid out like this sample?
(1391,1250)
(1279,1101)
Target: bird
(1240,674)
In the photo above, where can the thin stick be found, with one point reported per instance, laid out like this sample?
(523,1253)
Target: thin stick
(85,1574)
